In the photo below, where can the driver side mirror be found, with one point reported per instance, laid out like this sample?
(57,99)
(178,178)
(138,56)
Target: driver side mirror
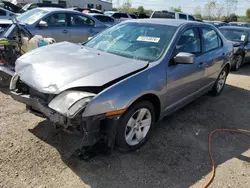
(43,24)
(184,58)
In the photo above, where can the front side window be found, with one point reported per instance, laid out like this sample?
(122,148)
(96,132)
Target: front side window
(189,42)
(134,40)
(56,20)
(182,16)
(77,20)
(234,35)
(30,17)
(211,40)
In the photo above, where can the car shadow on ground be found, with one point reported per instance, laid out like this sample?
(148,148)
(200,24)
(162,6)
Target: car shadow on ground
(176,154)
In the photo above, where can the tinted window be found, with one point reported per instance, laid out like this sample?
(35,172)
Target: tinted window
(77,20)
(104,18)
(183,16)
(162,14)
(56,20)
(133,16)
(191,17)
(210,39)
(32,6)
(119,15)
(234,35)
(2,13)
(189,42)
(134,40)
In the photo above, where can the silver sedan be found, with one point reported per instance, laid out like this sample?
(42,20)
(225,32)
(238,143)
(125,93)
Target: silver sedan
(61,24)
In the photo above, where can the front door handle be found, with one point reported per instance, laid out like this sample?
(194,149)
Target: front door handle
(65,31)
(202,65)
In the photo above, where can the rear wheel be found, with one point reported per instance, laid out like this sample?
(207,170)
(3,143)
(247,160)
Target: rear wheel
(220,82)
(135,126)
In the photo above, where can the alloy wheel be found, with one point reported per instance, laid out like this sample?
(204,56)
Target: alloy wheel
(138,126)
(221,80)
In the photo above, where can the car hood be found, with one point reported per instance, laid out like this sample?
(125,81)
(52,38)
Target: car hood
(58,67)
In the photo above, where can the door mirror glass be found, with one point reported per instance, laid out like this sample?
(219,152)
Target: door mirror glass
(184,58)
(43,24)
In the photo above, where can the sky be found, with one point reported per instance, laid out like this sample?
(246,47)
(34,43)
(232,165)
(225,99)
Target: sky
(186,5)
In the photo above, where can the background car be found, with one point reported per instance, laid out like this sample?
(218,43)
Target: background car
(107,20)
(86,10)
(241,40)
(217,23)
(118,84)
(172,15)
(239,24)
(6,14)
(120,15)
(30,6)
(61,24)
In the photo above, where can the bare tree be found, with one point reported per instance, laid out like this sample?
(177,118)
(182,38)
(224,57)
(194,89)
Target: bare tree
(231,6)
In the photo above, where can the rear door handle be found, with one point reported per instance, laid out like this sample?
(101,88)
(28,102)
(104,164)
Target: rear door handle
(65,31)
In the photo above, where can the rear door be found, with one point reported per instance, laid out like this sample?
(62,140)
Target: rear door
(81,27)
(213,53)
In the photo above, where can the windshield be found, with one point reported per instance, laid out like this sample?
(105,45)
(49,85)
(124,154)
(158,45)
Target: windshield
(31,16)
(134,40)
(234,35)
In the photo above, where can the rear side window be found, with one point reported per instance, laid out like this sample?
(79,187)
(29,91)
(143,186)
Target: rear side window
(104,18)
(211,40)
(183,16)
(190,18)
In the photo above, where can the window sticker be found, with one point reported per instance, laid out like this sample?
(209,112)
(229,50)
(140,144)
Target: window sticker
(148,39)
(243,37)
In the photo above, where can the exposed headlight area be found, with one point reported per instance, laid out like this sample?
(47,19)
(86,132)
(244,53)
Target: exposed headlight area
(69,103)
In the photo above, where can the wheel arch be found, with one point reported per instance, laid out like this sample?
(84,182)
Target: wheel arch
(152,98)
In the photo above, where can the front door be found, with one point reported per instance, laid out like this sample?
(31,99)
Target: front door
(57,27)
(185,80)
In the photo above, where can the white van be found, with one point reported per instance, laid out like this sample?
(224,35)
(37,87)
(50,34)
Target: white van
(172,15)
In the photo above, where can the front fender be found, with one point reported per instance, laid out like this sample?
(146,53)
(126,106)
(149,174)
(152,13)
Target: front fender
(124,93)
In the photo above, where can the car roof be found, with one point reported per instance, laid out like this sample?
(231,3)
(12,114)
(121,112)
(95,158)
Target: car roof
(52,9)
(162,21)
(235,27)
(97,14)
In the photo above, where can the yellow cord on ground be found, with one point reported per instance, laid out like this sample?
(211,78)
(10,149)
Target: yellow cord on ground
(210,152)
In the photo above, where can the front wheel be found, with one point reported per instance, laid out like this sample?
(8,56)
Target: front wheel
(220,82)
(134,126)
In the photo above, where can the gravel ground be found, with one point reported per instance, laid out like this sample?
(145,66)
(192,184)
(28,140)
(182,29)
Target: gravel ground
(33,154)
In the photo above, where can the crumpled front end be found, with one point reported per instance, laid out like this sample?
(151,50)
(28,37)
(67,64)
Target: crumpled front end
(65,115)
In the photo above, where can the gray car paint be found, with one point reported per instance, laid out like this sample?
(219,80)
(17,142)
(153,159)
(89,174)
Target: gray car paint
(68,33)
(173,86)
(84,67)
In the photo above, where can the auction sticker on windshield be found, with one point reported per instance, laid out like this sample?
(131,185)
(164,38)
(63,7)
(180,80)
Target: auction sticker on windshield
(242,37)
(148,39)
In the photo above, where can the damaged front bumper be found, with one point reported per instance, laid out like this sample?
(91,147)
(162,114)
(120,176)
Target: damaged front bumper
(92,129)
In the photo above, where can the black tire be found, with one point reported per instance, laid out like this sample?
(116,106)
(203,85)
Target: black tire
(216,90)
(238,62)
(121,142)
